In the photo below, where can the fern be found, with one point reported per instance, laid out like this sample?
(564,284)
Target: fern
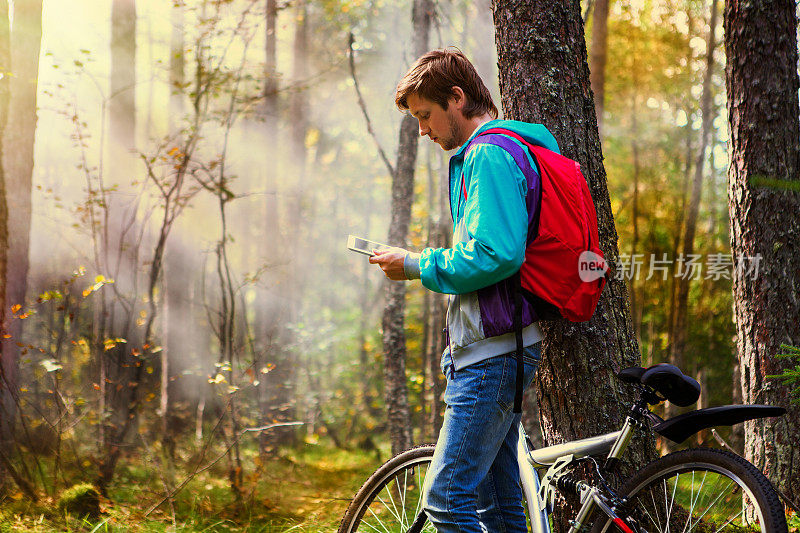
(790,376)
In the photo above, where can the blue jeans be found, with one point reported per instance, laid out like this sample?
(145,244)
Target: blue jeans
(473,482)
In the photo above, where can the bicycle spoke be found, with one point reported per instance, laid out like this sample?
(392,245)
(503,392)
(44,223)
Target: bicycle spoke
(720,528)
(655,509)
(693,501)
(672,500)
(391,498)
(699,518)
(418,507)
(666,506)
(392,511)
(641,504)
(403,500)
(385,529)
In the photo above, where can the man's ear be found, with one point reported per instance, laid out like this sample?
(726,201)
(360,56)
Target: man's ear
(457,97)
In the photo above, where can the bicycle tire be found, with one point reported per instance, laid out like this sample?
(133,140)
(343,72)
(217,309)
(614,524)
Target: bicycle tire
(679,479)
(370,511)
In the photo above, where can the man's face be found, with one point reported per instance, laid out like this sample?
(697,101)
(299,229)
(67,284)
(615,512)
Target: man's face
(441,125)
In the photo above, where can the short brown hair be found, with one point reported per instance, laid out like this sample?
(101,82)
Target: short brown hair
(433,77)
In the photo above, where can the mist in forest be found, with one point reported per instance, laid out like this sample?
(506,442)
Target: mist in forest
(302,301)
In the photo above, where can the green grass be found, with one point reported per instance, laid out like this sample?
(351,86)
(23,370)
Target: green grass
(300,490)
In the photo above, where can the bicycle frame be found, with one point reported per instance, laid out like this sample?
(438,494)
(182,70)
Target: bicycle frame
(529,460)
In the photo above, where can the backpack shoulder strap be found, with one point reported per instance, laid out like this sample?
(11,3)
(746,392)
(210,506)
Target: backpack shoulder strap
(499,137)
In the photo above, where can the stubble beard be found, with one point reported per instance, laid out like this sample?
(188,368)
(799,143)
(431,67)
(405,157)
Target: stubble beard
(453,135)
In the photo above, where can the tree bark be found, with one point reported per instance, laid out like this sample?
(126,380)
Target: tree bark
(680,329)
(597,59)
(544,78)
(394,339)
(765,219)
(26,36)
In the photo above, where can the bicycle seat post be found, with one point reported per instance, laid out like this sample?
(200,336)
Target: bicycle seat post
(633,421)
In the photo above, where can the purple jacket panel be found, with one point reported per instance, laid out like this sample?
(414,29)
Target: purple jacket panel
(497,300)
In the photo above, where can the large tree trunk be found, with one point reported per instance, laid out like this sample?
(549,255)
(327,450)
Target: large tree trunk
(597,59)
(681,326)
(394,337)
(760,45)
(26,36)
(544,78)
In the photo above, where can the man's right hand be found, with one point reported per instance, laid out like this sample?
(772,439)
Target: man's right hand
(391,262)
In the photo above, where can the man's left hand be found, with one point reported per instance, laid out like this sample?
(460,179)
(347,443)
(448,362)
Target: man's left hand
(391,262)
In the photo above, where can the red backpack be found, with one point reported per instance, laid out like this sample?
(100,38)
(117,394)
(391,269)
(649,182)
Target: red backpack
(564,265)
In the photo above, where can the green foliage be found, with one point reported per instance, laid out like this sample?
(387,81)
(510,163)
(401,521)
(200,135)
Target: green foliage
(793,521)
(790,376)
(303,489)
(81,500)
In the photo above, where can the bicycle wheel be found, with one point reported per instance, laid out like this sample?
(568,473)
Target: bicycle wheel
(391,499)
(702,490)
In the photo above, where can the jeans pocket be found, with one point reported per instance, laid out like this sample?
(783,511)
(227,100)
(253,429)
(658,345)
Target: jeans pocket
(508,383)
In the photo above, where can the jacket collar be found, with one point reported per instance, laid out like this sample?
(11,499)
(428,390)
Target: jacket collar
(478,130)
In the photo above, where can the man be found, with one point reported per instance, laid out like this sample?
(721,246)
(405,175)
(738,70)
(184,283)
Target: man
(473,481)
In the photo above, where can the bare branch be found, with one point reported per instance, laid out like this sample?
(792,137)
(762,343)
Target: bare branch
(363,105)
(588,11)
(236,439)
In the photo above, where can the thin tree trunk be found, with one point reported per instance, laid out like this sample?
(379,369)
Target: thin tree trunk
(435,309)
(636,306)
(176,278)
(676,241)
(117,254)
(270,308)
(394,339)
(18,143)
(678,344)
(547,80)
(597,59)
(761,72)
(122,105)
(284,304)
(6,394)
(177,67)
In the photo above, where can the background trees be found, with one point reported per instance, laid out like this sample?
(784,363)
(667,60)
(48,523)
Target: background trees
(194,333)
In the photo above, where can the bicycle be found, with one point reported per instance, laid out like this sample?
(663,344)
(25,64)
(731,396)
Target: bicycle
(700,489)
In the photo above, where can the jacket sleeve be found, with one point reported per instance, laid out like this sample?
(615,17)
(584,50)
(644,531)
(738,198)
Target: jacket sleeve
(495,220)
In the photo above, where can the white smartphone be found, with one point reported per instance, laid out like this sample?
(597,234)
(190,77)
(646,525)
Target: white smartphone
(363,246)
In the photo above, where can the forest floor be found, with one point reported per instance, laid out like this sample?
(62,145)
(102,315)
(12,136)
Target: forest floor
(301,489)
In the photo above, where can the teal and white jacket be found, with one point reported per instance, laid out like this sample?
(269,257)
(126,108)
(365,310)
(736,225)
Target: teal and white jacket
(491,203)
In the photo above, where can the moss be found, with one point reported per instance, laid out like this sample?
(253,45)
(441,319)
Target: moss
(80,500)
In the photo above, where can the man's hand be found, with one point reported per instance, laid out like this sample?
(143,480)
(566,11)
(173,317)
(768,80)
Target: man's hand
(391,262)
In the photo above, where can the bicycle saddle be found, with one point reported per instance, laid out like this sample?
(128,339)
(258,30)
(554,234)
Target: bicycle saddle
(665,379)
